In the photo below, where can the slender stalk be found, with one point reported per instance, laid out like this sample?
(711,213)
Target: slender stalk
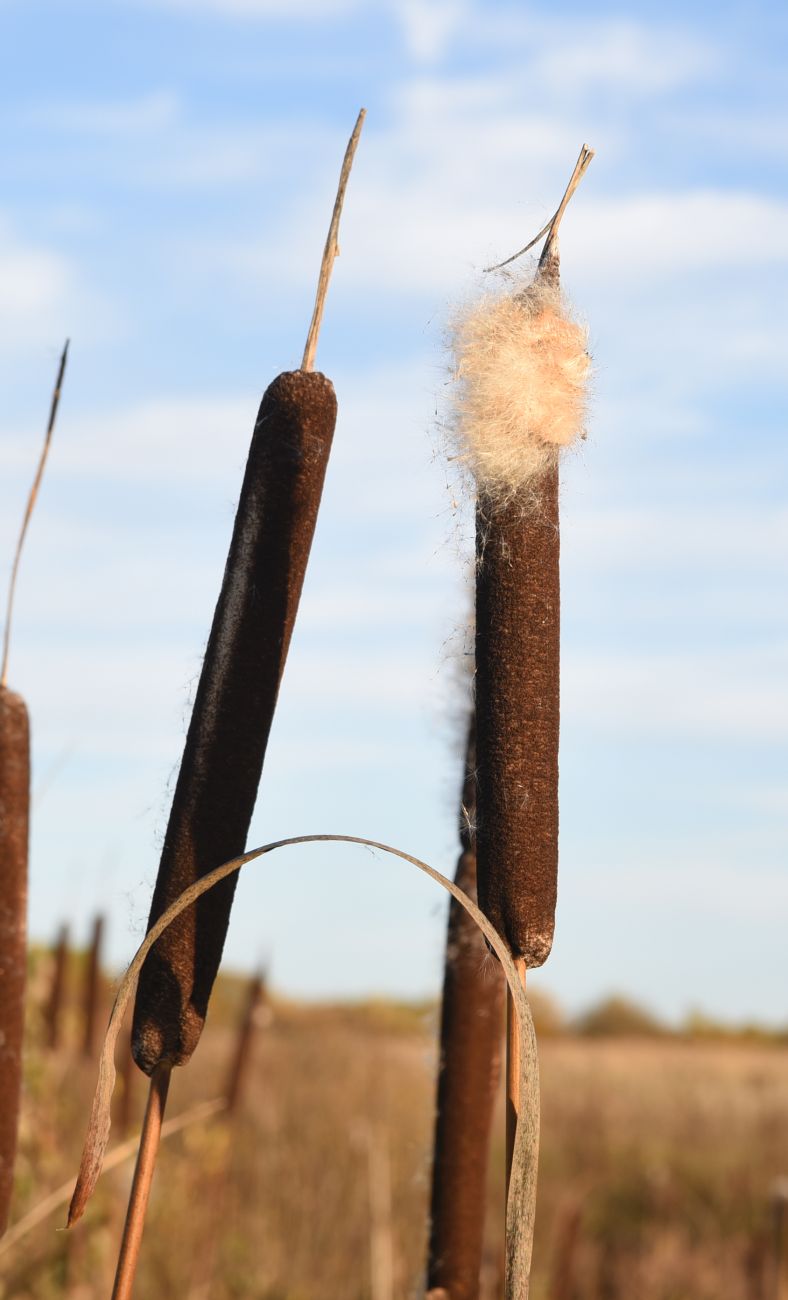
(513,1099)
(141,1185)
(31,501)
(331,250)
(551,228)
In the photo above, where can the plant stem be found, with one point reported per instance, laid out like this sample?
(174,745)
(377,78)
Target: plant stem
(331,250)
(31,501)
(551,228)
(512,1071)
(143,1177)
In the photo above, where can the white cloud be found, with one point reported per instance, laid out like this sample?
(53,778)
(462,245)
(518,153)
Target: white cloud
(35,283)
(259,9)
(638,58)
(145,114)
(653,235)
(44,298)
(713,884)
(642,539)
(429,26)
(706,694)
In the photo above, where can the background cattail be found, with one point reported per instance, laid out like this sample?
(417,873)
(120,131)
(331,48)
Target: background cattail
(471,1043)
(14,826)
(57,990)
(92,989)
(256,996)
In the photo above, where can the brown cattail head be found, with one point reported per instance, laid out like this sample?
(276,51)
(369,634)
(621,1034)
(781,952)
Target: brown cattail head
(91,995)
(234,707)
(524,362)
(57,989)
(14,819)
(470,1058)
(255,1000)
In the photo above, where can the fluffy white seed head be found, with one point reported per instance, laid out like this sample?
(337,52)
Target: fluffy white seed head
(522,367)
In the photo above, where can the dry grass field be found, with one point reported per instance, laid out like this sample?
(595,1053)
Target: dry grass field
(658,1158)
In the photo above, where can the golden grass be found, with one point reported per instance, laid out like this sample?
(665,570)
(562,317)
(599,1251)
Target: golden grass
(668,1148)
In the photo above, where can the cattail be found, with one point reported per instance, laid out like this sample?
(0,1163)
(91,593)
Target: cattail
(237,692)
(255,1000)
(234,707)
(522,365)
(14,836)
(57,989)
(14,815)
(470,1056)
(91,989)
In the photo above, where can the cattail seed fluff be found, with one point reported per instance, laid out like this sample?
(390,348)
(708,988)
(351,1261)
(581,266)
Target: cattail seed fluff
(522,368)
(14,826)
(234,707)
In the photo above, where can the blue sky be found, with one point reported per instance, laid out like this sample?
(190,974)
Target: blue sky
(168,174)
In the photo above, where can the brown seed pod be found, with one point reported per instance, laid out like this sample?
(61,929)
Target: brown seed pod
(14,819)
(517,710)
(234,707)
(471,1044)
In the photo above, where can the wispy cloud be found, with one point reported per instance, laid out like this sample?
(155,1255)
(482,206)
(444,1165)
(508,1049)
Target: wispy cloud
(45,296)
(142,114)
(705,694)
(293,10)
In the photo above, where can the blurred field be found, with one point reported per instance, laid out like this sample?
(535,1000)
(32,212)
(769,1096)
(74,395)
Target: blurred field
(658,1158)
